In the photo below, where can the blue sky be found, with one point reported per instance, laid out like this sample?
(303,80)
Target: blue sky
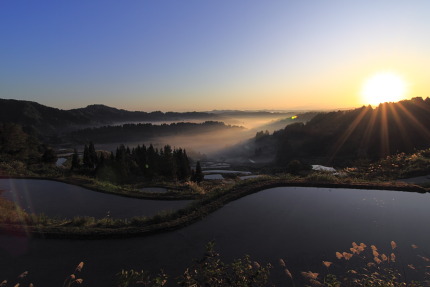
(203,55)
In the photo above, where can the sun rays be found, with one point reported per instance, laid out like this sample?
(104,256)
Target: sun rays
(384,130)
(388,122)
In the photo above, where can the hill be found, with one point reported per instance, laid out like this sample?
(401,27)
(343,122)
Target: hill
(363,133)
(147,131)
(48,123)
(342,137)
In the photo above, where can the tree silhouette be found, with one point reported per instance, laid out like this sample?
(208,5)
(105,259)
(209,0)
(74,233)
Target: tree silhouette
(198,174)
(75,160)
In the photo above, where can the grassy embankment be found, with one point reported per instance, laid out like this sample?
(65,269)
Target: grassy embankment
(212,197)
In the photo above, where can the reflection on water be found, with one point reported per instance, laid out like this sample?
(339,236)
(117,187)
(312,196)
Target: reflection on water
(60,161)
(213,176)
(59,199)
(301,225)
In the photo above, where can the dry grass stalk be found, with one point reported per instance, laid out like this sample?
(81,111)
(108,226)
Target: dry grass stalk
(373,247)
(288,273)
(72,278)
(327,263)
(411,266)
(79,267)
(393,245)
(310,275)
(339,255)
(282,262)
(393,257)
(424,258)
(377,260)
(23,274)
(315,282)
(384,257)
(414,246)
(347,255)
(375,253)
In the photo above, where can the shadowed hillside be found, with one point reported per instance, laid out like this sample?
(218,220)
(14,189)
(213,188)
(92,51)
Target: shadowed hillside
(363,133)
(138,132)
(342,137)
(48,122)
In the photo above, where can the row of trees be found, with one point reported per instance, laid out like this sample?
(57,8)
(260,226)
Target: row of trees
(141,162)
(137,132)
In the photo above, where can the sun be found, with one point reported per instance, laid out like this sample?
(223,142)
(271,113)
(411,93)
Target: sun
(383,87)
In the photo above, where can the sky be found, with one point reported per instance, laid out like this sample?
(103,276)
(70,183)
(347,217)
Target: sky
(198,55)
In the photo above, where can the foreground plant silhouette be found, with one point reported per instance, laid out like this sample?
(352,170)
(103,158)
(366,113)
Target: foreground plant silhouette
(23,275)
(72,278)
(68,282)
(210,271)
(371,268)
(360,266)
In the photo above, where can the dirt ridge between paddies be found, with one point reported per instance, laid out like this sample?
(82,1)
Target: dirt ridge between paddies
(94,185)
(190,214)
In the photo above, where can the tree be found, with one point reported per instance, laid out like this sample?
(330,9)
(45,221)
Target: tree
(167,166)
(92,154)
(16,144)
(86,158)
(198,174)
(49,156)
(183,170)
(294,167)
(75,160)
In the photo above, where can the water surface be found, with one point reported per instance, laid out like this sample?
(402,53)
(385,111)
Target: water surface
(57,199)
(60,161)
(301,225)
(213,176)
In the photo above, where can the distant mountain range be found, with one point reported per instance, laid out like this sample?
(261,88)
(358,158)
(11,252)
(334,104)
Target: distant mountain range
(32,113)
(51,124)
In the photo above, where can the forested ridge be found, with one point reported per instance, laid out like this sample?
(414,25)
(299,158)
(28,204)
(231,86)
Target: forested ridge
(47,122)
(137,132)
(342,137)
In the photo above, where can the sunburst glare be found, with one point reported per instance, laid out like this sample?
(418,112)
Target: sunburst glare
(384,87)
